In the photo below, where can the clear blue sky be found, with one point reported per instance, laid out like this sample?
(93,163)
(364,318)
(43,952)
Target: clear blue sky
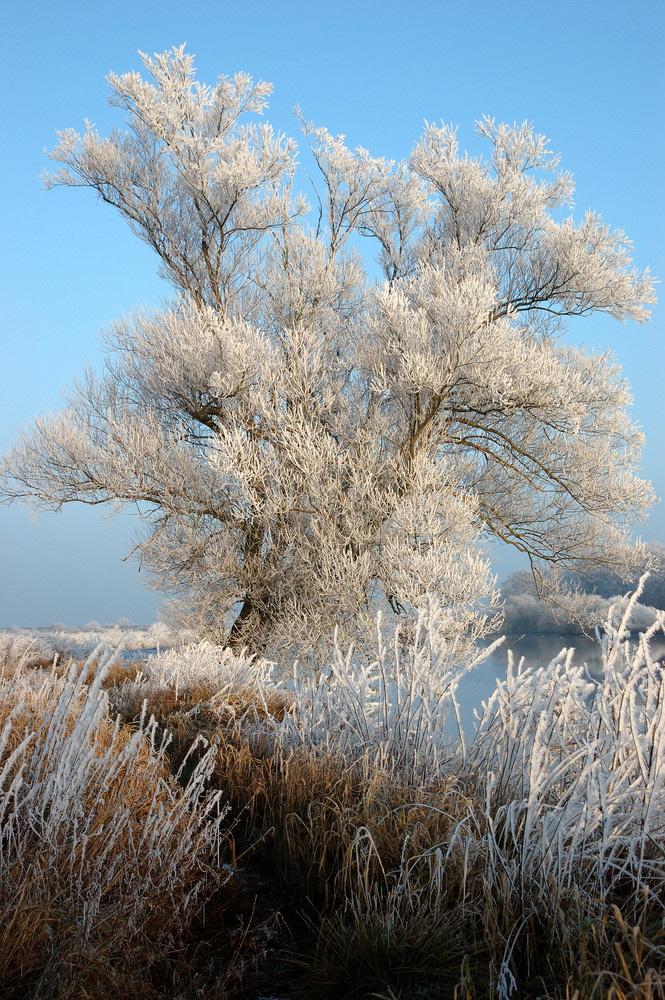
(589,75)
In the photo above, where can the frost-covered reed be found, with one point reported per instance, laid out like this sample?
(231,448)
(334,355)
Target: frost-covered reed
(573,770)
(104,858)
(530,863)
(399,708)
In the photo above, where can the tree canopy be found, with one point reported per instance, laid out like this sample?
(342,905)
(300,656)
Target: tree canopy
(307,443)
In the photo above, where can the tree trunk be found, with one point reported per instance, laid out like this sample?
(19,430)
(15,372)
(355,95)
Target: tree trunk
(249,631)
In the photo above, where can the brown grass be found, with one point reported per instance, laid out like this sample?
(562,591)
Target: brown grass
(98,897)
(375,884)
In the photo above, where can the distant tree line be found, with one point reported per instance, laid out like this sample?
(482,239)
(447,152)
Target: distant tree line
(603,582)
(598,589)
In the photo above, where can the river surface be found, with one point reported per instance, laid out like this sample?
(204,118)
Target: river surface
(537,650)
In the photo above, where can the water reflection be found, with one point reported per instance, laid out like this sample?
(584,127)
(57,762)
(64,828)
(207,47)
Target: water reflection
(139,654)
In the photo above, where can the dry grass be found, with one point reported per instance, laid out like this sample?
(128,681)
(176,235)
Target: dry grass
(528,865)
(105,860)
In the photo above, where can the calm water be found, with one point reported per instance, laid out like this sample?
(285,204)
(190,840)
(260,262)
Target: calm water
(537,650)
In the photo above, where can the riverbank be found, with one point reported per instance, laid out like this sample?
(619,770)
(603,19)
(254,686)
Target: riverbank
(334,838)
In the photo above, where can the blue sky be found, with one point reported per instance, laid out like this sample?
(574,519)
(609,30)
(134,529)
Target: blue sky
(589,75)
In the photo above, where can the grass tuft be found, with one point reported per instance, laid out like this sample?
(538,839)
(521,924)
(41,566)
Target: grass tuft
(105,860)
(199,826)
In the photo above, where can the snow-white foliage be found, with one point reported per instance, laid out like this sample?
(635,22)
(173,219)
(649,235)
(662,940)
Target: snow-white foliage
(307,444)
(526,613)
(79,643)
(29,646)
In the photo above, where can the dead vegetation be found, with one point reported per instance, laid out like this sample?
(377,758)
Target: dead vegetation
(195,827)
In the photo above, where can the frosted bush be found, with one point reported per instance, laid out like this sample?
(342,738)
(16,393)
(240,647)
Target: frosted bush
(641,617)
(202,670)
(205,663)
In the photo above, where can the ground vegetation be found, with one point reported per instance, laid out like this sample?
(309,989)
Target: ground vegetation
(204,824)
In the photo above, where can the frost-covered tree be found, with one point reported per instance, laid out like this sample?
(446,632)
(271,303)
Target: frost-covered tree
(306,442)
(602,580)
(524,611)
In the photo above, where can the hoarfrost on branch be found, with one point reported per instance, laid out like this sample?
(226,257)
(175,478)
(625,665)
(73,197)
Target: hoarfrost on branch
(306,443)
